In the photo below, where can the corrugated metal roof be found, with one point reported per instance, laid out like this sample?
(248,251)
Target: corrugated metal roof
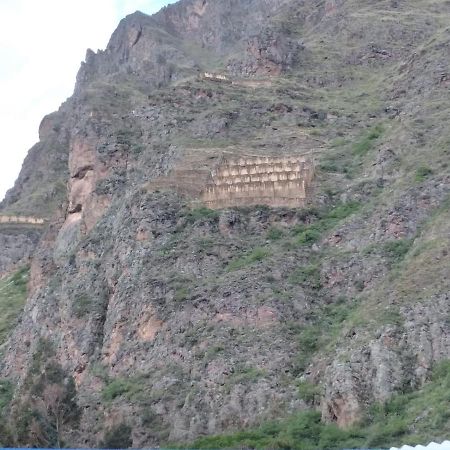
(431,446)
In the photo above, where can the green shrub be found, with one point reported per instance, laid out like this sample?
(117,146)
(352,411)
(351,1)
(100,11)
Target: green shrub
(307,276)
(387,431)
(119,386)
(181,294)
(308,391)
(363,146)
(213,351)
(82,306)
(202,213)
(138,149)
(256,255)
(309,236)
(205,244)
(124,137)
(246,374)
(100,371)
(441,371)
(422,173)
(391,316)
(117,437)
(359,285)
(152,420)
(329,166)
(44,352)
(6,394)
(343,210)
(338,142)
(338,312)
(326,219)
(6,436)
(396,250)
(274,234)
(309,339)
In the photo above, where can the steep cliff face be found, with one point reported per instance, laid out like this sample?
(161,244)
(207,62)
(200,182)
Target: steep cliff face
(165,320)
(182,40)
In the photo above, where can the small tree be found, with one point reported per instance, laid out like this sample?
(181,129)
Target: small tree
(37,435)
(57,403)
(6,439)
(118,437)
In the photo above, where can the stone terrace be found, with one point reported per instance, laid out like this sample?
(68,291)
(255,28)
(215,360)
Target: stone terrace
(263,180)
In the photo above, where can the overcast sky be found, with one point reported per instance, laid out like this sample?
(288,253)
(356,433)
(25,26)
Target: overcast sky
(42,43)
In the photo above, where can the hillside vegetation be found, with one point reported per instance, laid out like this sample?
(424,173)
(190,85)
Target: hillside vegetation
(168,322)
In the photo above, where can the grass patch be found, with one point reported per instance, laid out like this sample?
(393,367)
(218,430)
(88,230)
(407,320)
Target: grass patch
(181,294)
(394,250)
(330,166)
(326,219)
(309,236)
(274,234)
(82,306)
(323,326)
(202,213)
(397,250)
(307,276)
(308,391)
(364,145)
(243,375)
(6,394)
(422,173)
(345,157)
(121,387)
(303,431)
(256,255)
(205,244)
(13,295)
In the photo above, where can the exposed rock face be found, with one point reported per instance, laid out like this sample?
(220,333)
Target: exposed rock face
(40,188)
(267,54)
(17,246)
(156,45)
(398,359)
(180,321)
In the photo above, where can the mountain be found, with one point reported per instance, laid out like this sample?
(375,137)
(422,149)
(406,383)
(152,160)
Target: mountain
(136,316)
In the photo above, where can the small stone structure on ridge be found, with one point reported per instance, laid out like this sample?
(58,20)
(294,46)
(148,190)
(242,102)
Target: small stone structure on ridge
(215,77)
(21,220)
(260,180)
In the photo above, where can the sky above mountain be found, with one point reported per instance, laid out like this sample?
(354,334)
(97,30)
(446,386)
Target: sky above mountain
(41,46)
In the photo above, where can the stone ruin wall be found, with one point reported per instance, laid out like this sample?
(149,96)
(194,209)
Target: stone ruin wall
(221,78)
(215,77)
(256,180)
(21,220)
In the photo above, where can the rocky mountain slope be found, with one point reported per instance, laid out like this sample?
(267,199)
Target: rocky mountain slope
(150,319)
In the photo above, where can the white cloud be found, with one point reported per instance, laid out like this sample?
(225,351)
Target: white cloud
(41,46)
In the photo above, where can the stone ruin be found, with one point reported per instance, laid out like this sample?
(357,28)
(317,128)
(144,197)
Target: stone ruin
(221,78)
(21,220)
(219,179)
(215,77)
(284,181)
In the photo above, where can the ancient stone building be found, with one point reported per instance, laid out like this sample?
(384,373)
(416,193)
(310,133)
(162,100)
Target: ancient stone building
(265,180)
